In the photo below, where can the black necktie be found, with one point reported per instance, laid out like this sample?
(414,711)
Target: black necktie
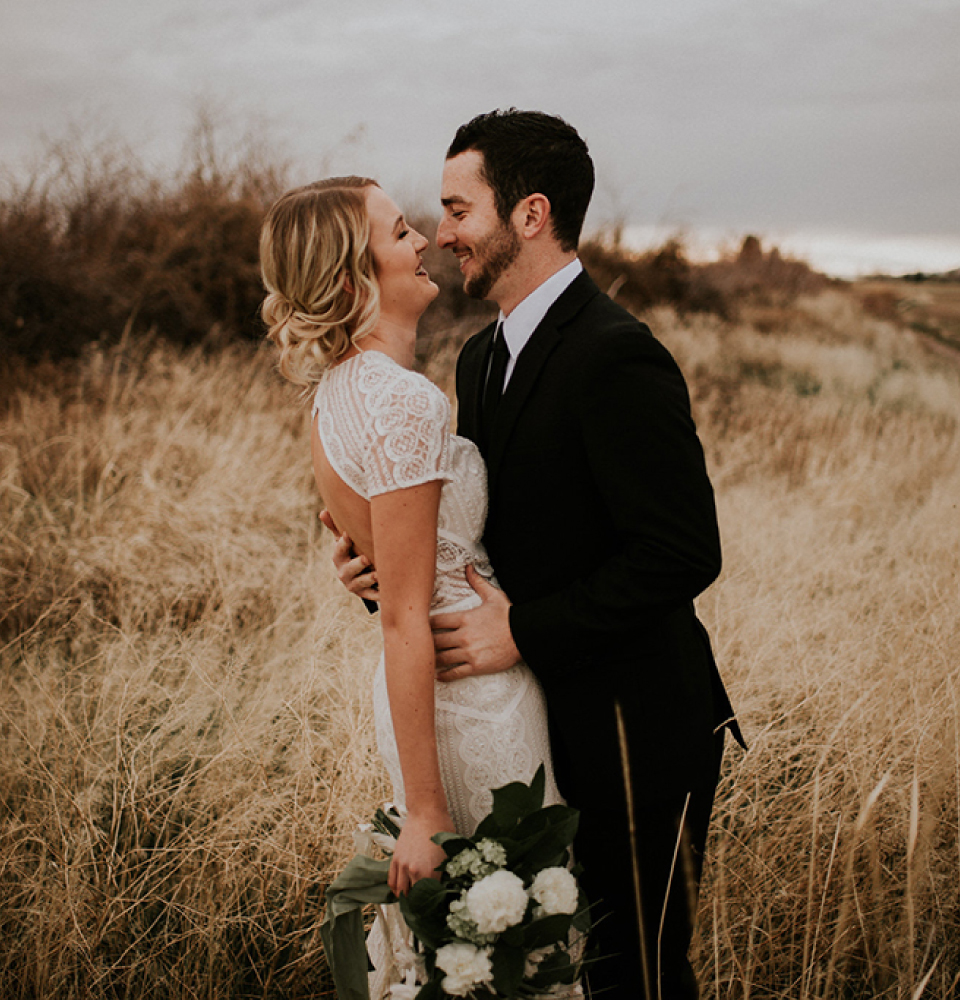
(499,357)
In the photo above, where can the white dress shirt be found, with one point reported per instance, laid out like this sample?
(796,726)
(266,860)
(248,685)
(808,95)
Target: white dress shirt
(526,316)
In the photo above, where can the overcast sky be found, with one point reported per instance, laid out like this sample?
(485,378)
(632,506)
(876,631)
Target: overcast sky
(831,126)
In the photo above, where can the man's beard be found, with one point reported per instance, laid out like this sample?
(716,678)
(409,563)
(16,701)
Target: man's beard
(494,254)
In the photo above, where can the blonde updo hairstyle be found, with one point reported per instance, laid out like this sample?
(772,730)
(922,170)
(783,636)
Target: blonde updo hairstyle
(318,270)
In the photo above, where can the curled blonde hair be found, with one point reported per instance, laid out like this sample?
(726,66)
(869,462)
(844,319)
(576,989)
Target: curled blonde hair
(318,270)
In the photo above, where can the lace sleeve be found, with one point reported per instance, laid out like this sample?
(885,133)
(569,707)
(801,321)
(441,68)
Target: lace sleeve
(409,434)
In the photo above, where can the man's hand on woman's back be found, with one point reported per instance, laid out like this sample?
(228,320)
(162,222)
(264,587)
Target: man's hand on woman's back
(355,572)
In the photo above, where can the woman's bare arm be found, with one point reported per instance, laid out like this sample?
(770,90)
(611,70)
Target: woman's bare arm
(404,528)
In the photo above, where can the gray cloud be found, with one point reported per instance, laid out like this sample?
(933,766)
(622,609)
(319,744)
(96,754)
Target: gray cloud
(769,114)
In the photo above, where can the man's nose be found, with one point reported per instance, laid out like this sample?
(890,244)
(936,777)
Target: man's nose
(445,235)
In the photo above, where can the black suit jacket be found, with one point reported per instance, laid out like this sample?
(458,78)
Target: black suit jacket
(602,526)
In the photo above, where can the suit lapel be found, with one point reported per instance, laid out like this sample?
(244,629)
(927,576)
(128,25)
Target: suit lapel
(543,341)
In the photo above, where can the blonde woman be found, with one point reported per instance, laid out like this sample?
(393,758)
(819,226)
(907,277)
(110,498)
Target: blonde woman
(346,288)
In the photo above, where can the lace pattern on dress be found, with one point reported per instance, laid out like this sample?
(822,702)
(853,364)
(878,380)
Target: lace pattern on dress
(382,427)
(490,730)
(385,428)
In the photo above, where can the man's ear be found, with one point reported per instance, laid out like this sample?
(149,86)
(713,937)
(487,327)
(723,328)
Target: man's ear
(532,215)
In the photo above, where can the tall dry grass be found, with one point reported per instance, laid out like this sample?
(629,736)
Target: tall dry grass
(184,702)
(835,451)
(186,737)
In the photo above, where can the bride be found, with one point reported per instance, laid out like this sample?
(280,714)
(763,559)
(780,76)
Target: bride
(346,288)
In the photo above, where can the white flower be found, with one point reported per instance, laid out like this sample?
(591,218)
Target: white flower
(482,860)
(407,990)
(464,863)
(555,889)
(492,852)
(461,922)
(497,902)
(465,967)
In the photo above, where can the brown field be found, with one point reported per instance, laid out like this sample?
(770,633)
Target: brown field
(930,307)
(184,711)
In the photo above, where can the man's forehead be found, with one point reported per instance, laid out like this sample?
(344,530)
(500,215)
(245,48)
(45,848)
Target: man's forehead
(462,179)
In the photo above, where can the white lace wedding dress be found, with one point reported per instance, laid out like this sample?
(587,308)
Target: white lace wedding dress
(385,428)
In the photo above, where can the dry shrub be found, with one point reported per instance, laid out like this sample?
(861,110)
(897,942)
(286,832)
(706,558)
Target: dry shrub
(931,307)
(94,249)
(663,276)
(762,277)
(753,284)
(92,245)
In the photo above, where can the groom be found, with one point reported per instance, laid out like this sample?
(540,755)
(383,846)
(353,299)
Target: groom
(601,529)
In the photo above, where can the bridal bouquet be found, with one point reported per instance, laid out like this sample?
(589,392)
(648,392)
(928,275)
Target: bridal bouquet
(506,918)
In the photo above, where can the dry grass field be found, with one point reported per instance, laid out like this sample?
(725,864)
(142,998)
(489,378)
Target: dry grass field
(184,710)
(930,307)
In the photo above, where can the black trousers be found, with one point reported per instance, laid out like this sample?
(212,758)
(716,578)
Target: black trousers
(670,832)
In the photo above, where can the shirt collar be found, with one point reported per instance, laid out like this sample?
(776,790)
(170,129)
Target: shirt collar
(526,316)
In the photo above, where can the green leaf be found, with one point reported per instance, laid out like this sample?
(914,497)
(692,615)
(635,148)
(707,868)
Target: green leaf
(582,921)
(508,964)
(538,786)
(512,803)
(383,823)
(547,930)
(547,846)
(489,827)
(431,990)
(513,936)
(550,816)
(452,843)
(424,908)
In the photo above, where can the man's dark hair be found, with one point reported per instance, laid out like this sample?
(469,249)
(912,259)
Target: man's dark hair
(529,152)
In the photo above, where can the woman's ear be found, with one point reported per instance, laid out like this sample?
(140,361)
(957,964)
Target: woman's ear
(348,283)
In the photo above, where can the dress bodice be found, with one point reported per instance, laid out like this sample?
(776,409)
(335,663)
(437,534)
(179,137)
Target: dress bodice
(384,428)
